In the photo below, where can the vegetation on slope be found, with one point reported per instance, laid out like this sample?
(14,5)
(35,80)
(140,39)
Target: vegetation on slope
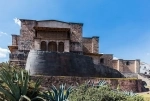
(102,92)
(15,85)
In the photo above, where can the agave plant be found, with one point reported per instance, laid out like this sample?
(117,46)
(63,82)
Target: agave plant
(16,84)
(23,97)
(55,94)
(129,93)
(101,83)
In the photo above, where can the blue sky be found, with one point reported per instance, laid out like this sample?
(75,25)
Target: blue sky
(122,25)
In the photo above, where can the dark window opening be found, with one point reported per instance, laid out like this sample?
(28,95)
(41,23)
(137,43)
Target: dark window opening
(68,35)
(102,61)
(127,63)
(145,72)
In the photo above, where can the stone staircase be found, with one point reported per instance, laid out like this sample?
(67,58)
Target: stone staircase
(145,78)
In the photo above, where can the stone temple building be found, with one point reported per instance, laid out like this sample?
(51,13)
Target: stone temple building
(129,68)
(61,37)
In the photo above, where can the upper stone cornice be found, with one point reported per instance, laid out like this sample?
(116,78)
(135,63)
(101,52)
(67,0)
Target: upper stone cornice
(50,20)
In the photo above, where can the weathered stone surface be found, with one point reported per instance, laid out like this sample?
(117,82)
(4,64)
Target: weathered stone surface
(15,39)
(108,58)
(105,71)
(130,75)
(96,59)
(57,64)
(26,35)
(87,45)
(66,64)
(95,42)
(125,84)
(90,45)
(145,78)
(127,66)
(33,33)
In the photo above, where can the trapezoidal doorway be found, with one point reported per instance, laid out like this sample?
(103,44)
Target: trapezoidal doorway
(43,46)
(52,46)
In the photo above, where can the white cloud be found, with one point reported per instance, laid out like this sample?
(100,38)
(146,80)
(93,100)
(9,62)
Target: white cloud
(17,21)
(115,58)
(3,33)
(3,52)
(148,54)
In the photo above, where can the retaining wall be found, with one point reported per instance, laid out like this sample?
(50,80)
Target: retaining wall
(124,84)
(66,64)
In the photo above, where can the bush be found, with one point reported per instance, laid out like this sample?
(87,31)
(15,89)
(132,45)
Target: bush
(15,85)
(103,93)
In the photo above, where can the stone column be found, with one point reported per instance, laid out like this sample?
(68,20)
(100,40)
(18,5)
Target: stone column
(66,46)
(37,43)
(47,42)
(57,43)
(121,65)
(118,65)
(135,67)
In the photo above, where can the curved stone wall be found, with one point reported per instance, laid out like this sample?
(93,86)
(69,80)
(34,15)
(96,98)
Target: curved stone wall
(105,71)
(66,64)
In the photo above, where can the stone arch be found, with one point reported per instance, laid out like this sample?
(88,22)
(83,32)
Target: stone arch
(43,46)
(52,46)
(61,47)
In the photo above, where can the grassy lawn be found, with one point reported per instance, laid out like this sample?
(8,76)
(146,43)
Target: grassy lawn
(146,96)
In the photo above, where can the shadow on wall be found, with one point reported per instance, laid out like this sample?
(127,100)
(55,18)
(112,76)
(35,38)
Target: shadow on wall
(126,69)
(106,71)
(85,49)
(143,87)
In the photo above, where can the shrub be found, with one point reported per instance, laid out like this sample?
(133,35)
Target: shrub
(103,93)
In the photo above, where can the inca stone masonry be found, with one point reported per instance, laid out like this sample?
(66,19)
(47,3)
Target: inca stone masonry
(61,45)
